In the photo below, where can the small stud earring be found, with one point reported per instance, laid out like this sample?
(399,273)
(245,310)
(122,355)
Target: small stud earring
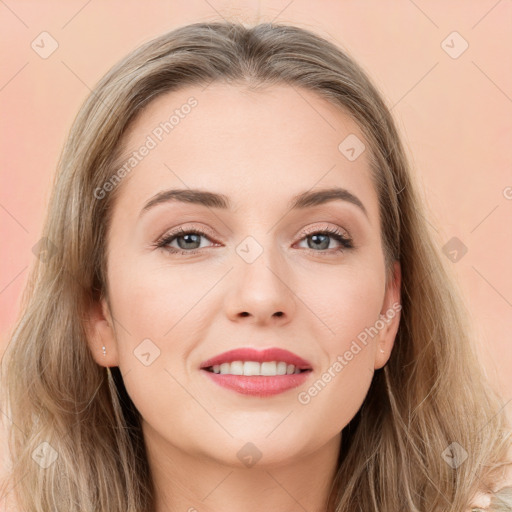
(382,350)
(104,350)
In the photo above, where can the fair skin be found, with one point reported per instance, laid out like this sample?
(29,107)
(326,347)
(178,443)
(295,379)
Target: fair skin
(259,149)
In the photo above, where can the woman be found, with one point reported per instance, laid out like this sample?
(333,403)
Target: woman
(307,351)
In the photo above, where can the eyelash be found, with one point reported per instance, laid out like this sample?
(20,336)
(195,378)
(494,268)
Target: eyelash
(336,234)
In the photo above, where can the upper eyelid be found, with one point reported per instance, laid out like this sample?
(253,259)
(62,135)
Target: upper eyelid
(327,227)
(207,232)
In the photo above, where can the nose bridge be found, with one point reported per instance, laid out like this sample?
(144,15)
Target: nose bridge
(259,283)
(259,262)
(259,245)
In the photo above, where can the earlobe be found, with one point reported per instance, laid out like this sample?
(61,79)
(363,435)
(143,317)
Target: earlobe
(100,334)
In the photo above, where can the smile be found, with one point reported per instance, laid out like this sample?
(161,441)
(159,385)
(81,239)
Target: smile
(257,372)
(268,368)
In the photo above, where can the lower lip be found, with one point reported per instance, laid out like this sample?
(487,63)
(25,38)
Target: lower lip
(259,385)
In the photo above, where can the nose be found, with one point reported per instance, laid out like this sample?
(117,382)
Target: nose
(262,292)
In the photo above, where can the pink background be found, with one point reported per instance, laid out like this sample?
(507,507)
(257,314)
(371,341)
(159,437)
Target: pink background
(455,115)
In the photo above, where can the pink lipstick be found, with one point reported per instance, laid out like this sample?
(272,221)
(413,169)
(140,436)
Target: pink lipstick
(257,372)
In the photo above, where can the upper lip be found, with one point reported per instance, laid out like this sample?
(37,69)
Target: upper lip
(261,356)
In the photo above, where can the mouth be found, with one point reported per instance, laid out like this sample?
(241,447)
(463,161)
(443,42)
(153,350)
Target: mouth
(260,373)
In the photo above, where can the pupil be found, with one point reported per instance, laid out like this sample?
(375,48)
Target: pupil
(325,245)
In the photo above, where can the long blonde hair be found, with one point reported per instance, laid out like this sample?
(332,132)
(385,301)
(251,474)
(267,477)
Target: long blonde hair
(428,406)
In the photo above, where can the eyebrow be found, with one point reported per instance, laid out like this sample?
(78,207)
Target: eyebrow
(303,200)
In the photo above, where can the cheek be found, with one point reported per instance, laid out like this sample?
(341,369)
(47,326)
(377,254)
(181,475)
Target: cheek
(347,303)
(152,299)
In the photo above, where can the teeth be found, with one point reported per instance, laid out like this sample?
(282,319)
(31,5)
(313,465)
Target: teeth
(248,368)
(252,368)
(281,368)
(237,368)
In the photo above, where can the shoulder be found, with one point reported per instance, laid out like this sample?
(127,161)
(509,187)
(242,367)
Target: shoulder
(498,499)
(481,500)
(501,499)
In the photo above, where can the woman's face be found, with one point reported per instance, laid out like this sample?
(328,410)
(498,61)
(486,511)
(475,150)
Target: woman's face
(260,274)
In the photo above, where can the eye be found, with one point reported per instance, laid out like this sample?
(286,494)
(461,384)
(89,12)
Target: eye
(319,240)
(187,241)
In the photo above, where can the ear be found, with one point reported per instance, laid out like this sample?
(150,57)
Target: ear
(100,333)
(390,317)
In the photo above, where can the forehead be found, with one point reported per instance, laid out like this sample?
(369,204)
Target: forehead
(270,143)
